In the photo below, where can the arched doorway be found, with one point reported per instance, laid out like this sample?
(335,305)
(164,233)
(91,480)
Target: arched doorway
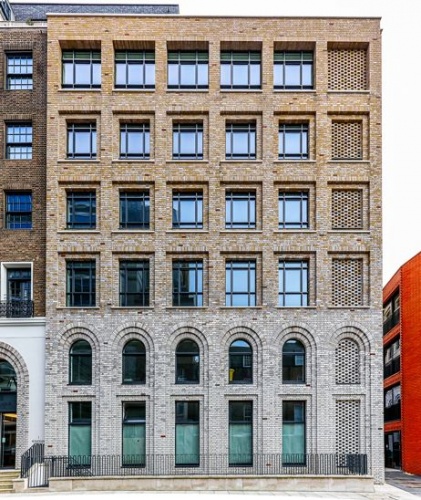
(8,415)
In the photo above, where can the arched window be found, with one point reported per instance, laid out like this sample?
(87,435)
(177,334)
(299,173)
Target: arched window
(240,362)
(80,363)
(187,362)
(134,362)
(293,362)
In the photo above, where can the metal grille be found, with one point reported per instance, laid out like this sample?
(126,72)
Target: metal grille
(347,282)
(347,415)
(347,209)
(347,362)
(347,140)
(347,70)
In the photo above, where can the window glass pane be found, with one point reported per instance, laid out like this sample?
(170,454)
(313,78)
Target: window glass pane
(278,75)
(292,75)
(255,75)
(173,75)
(202,75)
(225,74)
(240,75)
(293,432)
(134,444)
(150,75)
(240,443)
(307,72)
(135,74)
(83,74)
(187,444)
(188,74)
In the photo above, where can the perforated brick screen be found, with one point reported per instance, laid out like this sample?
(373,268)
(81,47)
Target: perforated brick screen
(347,282)
(347,209)
(347,427)
(347,140)
(347,69)
(347,362)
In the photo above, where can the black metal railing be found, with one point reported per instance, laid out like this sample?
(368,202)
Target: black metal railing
(209,465)
(16,308)
(391,321)
(394,366)
(29,461)
(392,412)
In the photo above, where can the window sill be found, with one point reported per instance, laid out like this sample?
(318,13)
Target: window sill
(282,162)
(281,308)
(240,307)
(131,231)
(186,161)
(362,91)
(300,91)
(241,91)
(132,308)
(189,231)
(241,231)
(78,309)
(79,90)
(350,308)
(182,308)
(345,160)
(79,231)
(188,90)
(133,90)
(133,160)
(78,161)
(239,161)
(294,231)
(349,231)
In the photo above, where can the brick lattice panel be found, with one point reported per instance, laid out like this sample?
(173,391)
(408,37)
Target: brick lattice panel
(347,415)
(347,69)
(347,209)
(347,362)
(347,140)
(347,282)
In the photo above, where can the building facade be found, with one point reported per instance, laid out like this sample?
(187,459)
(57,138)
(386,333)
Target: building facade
(214,239)
(23,75)
(402,378)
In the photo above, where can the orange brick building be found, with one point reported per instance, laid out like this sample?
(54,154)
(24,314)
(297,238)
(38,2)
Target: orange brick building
(402,374)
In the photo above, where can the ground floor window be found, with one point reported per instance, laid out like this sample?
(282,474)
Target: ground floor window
(393,450)
(187,433)
(293,432)
(134,443)
(80,433)
(240,433)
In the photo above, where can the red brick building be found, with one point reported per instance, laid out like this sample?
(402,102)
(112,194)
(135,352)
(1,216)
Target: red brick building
(402,373)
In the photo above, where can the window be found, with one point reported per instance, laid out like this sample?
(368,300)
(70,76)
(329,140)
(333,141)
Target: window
(293,362)
(293,70)
(240,446)
(187,358)
(392,358)
(134,141)
(391,313)
(392,403)
(18,293)
(134,69)
(293,283)
(81,210)
(80,283)
(188,70)
(240,362)
(187,141)
(134,362)
(293,141)
(293,432)
(134,209)
(240,70)
(80,433)
(240,210)
(187,210)
(187,283)
(240,283)
(187,433)
(19,71)
(81,141)
(134,283)
(18,210)
(81,69)
(240,141)
(19,141)
(134,434)
(293,209)
(80,363)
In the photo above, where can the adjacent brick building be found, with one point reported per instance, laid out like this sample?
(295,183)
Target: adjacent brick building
(402,377)
(214,240)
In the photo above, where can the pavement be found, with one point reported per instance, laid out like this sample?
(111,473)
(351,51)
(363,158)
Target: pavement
(398,486)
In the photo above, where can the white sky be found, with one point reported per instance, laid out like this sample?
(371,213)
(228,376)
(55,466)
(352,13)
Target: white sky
(401,81)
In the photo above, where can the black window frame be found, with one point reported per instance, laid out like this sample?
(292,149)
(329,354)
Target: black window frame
(181,270)
(194,58)
(187,128)
(187,362)
(233,58)
(18,209)
(301,197)
(302,266)
(77,358)
(131,419)
(85,127)
(250,265)
(294,459)
(141,58)
(80,414)
(74,281)
(144,152)
(133,353)
(231,129)
(89,199)
(297,58)
(293,128)
(141,269)
(180,198)
(86,57)
(240,364)
(293,361)
(231,198)
(142,197)
(243,417)
(189,415)
(15,132)
(14,73)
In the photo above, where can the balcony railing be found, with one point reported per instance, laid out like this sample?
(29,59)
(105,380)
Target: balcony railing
(394,366)
(16,308)
(40,471)
(391,321)
(392,412)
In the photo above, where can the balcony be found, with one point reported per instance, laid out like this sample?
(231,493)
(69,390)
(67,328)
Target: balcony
(392,412)
(391,321)
(16,309)
(394,366)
